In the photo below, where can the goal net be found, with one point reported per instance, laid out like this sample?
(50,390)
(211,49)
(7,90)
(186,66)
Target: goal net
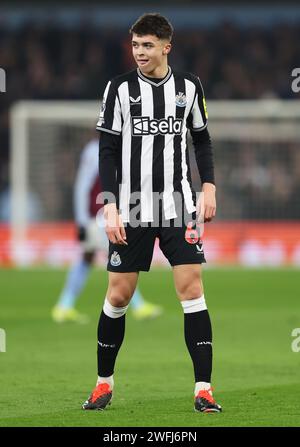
(257,157)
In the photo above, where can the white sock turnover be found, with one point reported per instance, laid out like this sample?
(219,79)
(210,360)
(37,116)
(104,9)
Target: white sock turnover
(109,380)
(199,386)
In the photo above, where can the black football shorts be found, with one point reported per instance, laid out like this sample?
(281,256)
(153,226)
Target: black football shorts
(179,244)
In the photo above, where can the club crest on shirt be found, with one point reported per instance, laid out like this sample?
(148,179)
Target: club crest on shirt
(180,99)
(115,259)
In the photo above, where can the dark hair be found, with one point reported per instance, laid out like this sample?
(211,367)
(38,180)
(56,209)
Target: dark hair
(154,24)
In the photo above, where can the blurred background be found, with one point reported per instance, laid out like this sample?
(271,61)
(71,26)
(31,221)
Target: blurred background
(58,58)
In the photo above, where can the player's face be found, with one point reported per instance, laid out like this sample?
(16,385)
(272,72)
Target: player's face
(149,52)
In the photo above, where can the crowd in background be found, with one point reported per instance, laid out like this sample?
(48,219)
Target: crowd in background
(232,62)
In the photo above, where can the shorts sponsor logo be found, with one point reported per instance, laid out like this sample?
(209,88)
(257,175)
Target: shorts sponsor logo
(115,259)
(143,125)
(199,247)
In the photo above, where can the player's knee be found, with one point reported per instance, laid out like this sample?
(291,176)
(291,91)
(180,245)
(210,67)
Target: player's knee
(190,289)
(119,295)
(118,299)
(190,293)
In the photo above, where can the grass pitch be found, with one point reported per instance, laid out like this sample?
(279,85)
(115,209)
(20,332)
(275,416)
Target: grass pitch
(49,369)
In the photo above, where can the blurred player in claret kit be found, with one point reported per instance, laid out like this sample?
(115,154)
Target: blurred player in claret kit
(143,122)
(92,237)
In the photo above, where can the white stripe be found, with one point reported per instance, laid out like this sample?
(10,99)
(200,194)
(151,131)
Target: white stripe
(106,91)
(146,156)
(190,90)
(197,116)
(101,114)
(170,110)
(186,188)
(126,153)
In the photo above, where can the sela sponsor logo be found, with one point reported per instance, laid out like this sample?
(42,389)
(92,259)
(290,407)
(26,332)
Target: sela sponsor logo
(115,259)
(180,99)
(143,125)
(199,343)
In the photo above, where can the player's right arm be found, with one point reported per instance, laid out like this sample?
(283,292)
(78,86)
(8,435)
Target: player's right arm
(110,125)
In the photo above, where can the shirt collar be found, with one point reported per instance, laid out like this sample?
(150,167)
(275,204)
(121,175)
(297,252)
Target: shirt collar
(156,84)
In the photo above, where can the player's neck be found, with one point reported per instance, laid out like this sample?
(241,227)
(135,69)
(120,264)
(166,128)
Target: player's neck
(159,72)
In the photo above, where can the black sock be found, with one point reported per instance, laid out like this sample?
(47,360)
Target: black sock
(110,337)
(198,338)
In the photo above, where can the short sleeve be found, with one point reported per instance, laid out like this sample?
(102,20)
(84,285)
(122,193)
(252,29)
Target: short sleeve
(197,119)
(110,118)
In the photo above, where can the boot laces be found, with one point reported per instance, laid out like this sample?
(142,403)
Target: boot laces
(205,394)
(100,390)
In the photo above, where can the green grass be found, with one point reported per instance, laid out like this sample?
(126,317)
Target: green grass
(49,370)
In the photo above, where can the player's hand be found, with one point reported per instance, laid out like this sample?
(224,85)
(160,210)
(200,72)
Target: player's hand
(206,206)
(114,227)
(81,233)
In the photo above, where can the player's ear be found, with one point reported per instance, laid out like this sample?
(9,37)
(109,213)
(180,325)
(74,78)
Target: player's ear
(167,48)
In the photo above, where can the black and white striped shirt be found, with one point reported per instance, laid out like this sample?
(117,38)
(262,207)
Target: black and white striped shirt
(153,118)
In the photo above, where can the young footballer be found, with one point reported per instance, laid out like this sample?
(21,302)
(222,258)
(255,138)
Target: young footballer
(144,168)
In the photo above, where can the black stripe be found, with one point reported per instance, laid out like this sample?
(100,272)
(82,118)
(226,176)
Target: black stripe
(158,140)
(136,141)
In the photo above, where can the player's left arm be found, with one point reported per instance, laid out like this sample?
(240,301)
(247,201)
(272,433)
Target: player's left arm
(205,162)
(197,123)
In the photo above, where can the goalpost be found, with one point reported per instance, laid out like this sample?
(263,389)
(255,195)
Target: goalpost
(256,145)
